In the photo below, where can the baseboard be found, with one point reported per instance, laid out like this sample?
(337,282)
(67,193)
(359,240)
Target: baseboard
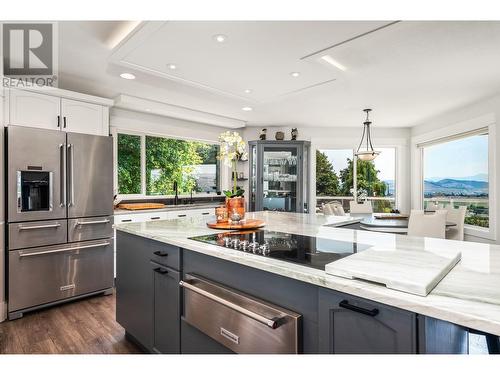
(3,311)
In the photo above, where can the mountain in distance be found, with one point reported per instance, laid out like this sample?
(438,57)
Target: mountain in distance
(477,177)
(460,187)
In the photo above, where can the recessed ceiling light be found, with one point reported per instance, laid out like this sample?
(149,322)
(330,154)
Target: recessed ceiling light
(247,109)
(127,76)
(330,60)
(295,74)
(220,38)
(172,66)
(248,91)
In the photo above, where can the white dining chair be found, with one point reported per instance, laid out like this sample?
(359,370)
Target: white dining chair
(333,208)
(456,216)
(360,208)
(423,225)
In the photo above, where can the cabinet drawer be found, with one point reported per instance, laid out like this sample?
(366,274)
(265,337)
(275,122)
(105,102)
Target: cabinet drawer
(37,233)
(47,274)
(241,323)
(164,254)
(352,325)
(90,228)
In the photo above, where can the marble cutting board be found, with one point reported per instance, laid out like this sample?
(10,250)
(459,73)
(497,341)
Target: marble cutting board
(410,270)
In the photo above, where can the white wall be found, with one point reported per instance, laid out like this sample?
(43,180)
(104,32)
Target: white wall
(132,121)
(343,137)
(480,114)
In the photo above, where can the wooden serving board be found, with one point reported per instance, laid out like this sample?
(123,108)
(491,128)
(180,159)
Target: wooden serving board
(248,224)
(141,206)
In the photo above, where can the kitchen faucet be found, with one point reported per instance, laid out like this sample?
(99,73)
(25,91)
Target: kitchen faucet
(176,189)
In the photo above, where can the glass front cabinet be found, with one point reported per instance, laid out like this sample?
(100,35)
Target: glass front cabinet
(279,176)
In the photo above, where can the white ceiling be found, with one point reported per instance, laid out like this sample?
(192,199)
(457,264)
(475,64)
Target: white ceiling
(407,72)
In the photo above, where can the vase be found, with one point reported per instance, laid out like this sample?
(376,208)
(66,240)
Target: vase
(235,209)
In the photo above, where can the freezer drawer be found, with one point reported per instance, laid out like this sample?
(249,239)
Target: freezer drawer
(37,233)
(90,228)
(243,324)
(48,274)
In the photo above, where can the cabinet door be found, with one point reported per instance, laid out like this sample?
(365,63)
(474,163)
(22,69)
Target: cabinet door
(134,288)
(349,325)
(166,310)
(81,117)
(34,110)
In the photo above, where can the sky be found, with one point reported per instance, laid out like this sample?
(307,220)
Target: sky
(385,162)
(459,158)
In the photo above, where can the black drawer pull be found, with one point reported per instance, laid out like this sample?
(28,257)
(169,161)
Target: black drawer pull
(346,305)
(205,213)
(160,253)
(155,218)
(183,215)
(160,270)
(126,220)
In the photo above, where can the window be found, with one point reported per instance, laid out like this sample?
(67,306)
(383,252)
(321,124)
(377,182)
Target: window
(375,180)
(334,176)
(129,164)
(455,173)
(193,165)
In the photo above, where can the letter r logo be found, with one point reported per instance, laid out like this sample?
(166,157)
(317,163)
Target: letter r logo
(27,49)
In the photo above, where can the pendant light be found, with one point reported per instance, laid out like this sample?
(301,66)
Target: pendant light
(367,153)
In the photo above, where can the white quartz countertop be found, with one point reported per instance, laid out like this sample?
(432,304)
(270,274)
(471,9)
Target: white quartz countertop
(468,295)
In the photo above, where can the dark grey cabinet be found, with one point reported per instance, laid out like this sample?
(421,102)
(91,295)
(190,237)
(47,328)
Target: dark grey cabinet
(166,310)
(279,176)
(351,325)
(134,288)
(148,292)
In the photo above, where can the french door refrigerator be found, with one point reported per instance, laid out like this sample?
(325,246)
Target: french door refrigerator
(59,209)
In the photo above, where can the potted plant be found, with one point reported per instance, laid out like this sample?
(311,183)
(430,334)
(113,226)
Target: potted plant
(232,149)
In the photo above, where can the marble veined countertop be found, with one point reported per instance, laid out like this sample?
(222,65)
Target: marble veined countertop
(468,295)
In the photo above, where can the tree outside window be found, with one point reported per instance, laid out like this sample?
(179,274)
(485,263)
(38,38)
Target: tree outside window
(192,164)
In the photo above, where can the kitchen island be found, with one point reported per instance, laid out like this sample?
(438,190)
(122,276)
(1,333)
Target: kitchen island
(153,257)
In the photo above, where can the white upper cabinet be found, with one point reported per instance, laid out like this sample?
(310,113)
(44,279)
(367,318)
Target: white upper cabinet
(39,110)
(28,108)
(81,117)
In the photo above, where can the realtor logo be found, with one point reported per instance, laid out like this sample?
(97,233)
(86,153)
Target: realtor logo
(29,53)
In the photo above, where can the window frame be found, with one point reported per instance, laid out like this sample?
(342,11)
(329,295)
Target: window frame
(396,195)
(473,230)
(487,120)
(114,133)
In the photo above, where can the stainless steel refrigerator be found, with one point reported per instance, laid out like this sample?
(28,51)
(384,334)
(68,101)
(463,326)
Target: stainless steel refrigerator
(59,209)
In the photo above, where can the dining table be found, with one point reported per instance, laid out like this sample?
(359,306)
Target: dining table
(388,223)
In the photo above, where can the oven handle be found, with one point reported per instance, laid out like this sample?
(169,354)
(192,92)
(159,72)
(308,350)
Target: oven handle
(105,221)
(271,323)
(62,148)
(40,226)
(22,255)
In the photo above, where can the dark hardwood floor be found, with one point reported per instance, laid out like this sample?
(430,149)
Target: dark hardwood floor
(87,326)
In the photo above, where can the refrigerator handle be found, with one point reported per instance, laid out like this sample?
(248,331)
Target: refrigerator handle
(62,148)
(71,175)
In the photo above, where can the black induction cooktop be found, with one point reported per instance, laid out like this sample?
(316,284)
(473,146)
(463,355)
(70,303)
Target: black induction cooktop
(309,251)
